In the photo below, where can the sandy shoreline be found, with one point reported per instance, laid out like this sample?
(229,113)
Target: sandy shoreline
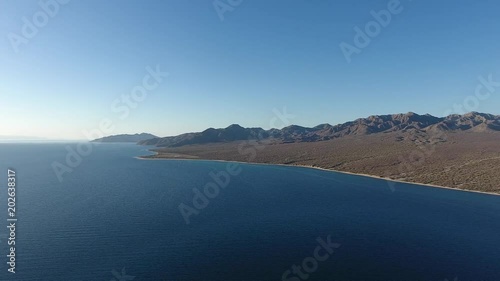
(153,157)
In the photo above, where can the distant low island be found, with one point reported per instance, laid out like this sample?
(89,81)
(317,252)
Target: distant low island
(126,138)
(456,151)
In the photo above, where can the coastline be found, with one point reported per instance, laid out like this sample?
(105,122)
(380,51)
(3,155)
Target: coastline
(152,157)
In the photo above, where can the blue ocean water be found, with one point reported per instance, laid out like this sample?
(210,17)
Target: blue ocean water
(115,217)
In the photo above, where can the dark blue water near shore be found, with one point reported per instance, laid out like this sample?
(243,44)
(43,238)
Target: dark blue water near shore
(116,212)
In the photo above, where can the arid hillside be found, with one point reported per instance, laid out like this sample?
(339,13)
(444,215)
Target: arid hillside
(407,125)
(466,159)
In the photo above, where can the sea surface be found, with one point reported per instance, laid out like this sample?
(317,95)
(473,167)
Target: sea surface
(115,217)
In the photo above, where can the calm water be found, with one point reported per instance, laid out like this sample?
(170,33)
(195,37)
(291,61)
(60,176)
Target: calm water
(114,211)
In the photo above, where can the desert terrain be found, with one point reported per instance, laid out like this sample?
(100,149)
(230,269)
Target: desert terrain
(463,159)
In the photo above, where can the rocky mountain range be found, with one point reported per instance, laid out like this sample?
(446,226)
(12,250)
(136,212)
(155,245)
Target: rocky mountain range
(407,124)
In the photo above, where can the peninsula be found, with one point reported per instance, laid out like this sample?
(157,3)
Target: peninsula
(457,151)
(126,138)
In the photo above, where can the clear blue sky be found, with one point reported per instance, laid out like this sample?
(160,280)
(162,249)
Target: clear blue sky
(263,55)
